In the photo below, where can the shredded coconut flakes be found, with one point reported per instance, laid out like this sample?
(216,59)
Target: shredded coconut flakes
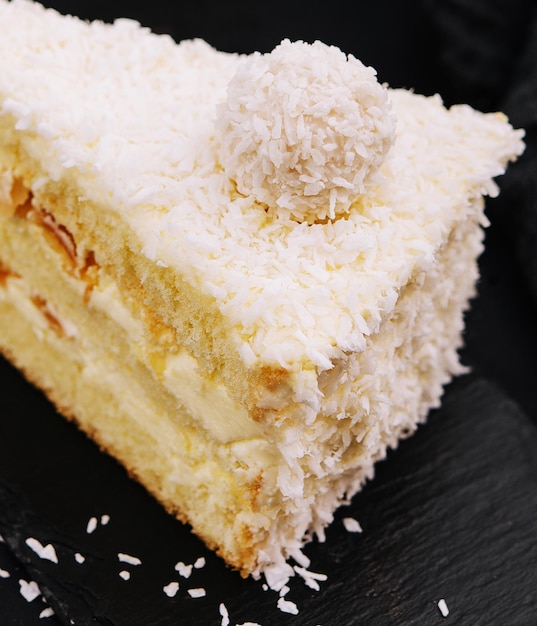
(443,607)
(197,592)
(47,552)
(222,609)
(184,570)
(127,558)
(352,525)
(29,590)
(48,612)
(92,525)
(311,579)
(171,589)
(286,606)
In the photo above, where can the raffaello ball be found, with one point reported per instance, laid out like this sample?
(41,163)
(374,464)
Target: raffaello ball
(304,129)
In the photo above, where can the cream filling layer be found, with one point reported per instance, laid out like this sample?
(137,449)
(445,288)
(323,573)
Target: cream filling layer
(204,398)
(99,366)
(187,471)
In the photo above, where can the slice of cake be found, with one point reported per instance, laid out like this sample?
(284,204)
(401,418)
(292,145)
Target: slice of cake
(244,277)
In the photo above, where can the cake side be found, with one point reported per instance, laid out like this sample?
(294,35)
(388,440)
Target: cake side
(311,478)
(265,514)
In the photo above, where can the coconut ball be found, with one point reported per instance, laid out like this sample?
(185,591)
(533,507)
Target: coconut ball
(304,129)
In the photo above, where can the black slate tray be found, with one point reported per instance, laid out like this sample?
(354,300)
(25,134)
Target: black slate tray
(451,514)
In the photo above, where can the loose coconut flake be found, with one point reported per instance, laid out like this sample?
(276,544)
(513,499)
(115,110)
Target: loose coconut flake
(286,606)
(92,525)
(29,590)
(222,609)
(4,573)
(171,589)
(352,525)
(47,552)
(184,570)
(443,607)
(311,579)
(127,558)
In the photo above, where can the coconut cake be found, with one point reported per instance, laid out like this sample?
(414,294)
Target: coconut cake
(243,276)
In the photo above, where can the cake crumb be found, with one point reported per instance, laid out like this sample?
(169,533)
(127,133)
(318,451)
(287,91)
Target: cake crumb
(4,573)
(265,587)
(200,562)
(48,612)
(92,525)
(197,592)
(124,574)
(443,607)
(79,558)
(105,519)
(352,525)
(286,606)
(127,558)
(184,570)
(29,590)
(171,589)
(224,613)
(44,552)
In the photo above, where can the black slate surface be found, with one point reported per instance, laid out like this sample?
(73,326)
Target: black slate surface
(451,514)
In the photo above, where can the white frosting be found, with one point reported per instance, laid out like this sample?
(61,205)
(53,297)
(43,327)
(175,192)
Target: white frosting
(303,129)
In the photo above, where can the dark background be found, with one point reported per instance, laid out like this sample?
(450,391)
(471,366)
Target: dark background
(452,513)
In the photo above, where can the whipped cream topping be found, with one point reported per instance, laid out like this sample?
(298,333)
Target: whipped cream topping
(304,129)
